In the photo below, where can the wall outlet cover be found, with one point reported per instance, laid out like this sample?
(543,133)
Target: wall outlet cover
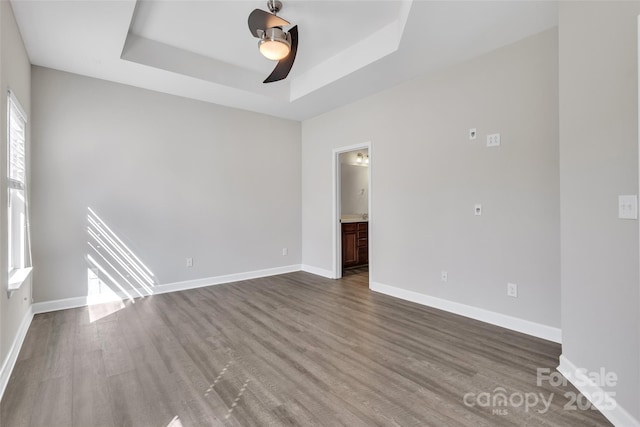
(493,140)
(628,207)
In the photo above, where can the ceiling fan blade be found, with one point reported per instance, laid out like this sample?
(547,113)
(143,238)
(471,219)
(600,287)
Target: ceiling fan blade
(284,65)
(261,20)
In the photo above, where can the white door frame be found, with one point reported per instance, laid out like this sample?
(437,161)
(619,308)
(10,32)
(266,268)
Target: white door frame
(638,112)
(337,229)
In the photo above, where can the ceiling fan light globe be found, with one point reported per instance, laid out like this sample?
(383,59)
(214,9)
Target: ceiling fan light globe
(274,44)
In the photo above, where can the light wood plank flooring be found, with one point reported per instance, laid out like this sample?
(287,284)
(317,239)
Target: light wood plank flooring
(294,349)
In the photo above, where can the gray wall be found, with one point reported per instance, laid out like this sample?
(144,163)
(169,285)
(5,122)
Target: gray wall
(15,73)
(427,175)
(599,160)
(172,177)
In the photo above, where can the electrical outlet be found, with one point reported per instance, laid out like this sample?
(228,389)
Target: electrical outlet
(444,276)
(189,262)
(512,290)
(628,207)
(493,140)
(473,134)
(285,251)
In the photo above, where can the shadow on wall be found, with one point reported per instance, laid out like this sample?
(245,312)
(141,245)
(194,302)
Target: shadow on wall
(115,273)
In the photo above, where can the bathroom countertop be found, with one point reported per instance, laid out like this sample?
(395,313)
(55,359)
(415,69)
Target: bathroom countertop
(345,219)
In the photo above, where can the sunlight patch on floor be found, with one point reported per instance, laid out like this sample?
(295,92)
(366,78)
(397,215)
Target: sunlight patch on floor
(175,422)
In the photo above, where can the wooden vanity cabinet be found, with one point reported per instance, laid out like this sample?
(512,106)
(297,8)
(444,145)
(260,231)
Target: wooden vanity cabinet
(355,244)
(363,243)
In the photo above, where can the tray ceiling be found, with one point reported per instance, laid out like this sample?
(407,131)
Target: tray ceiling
(203,49)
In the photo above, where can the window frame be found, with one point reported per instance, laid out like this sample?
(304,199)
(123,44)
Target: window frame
(17,275)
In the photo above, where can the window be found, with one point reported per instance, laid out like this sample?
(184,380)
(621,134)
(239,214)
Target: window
(18,251)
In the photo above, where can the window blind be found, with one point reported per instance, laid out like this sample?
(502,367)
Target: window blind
(17,155)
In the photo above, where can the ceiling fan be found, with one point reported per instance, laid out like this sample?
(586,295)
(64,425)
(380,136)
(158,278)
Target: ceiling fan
(274,43)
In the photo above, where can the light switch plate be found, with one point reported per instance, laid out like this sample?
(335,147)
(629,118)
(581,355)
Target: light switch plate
(472,133)
(477,209)
(493,140)
(628,207)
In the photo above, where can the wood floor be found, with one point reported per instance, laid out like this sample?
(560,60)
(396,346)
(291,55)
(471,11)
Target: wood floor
(294,349)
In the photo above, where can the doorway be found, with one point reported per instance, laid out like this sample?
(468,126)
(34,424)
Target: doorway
(352,172)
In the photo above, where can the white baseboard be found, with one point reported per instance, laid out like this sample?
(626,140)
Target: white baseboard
(63,304)
(219,280)
(60,304)
(585,385)
(498,319)
(12,356)
(318,271)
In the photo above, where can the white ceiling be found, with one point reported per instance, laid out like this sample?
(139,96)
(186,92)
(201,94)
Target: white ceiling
(203,49)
